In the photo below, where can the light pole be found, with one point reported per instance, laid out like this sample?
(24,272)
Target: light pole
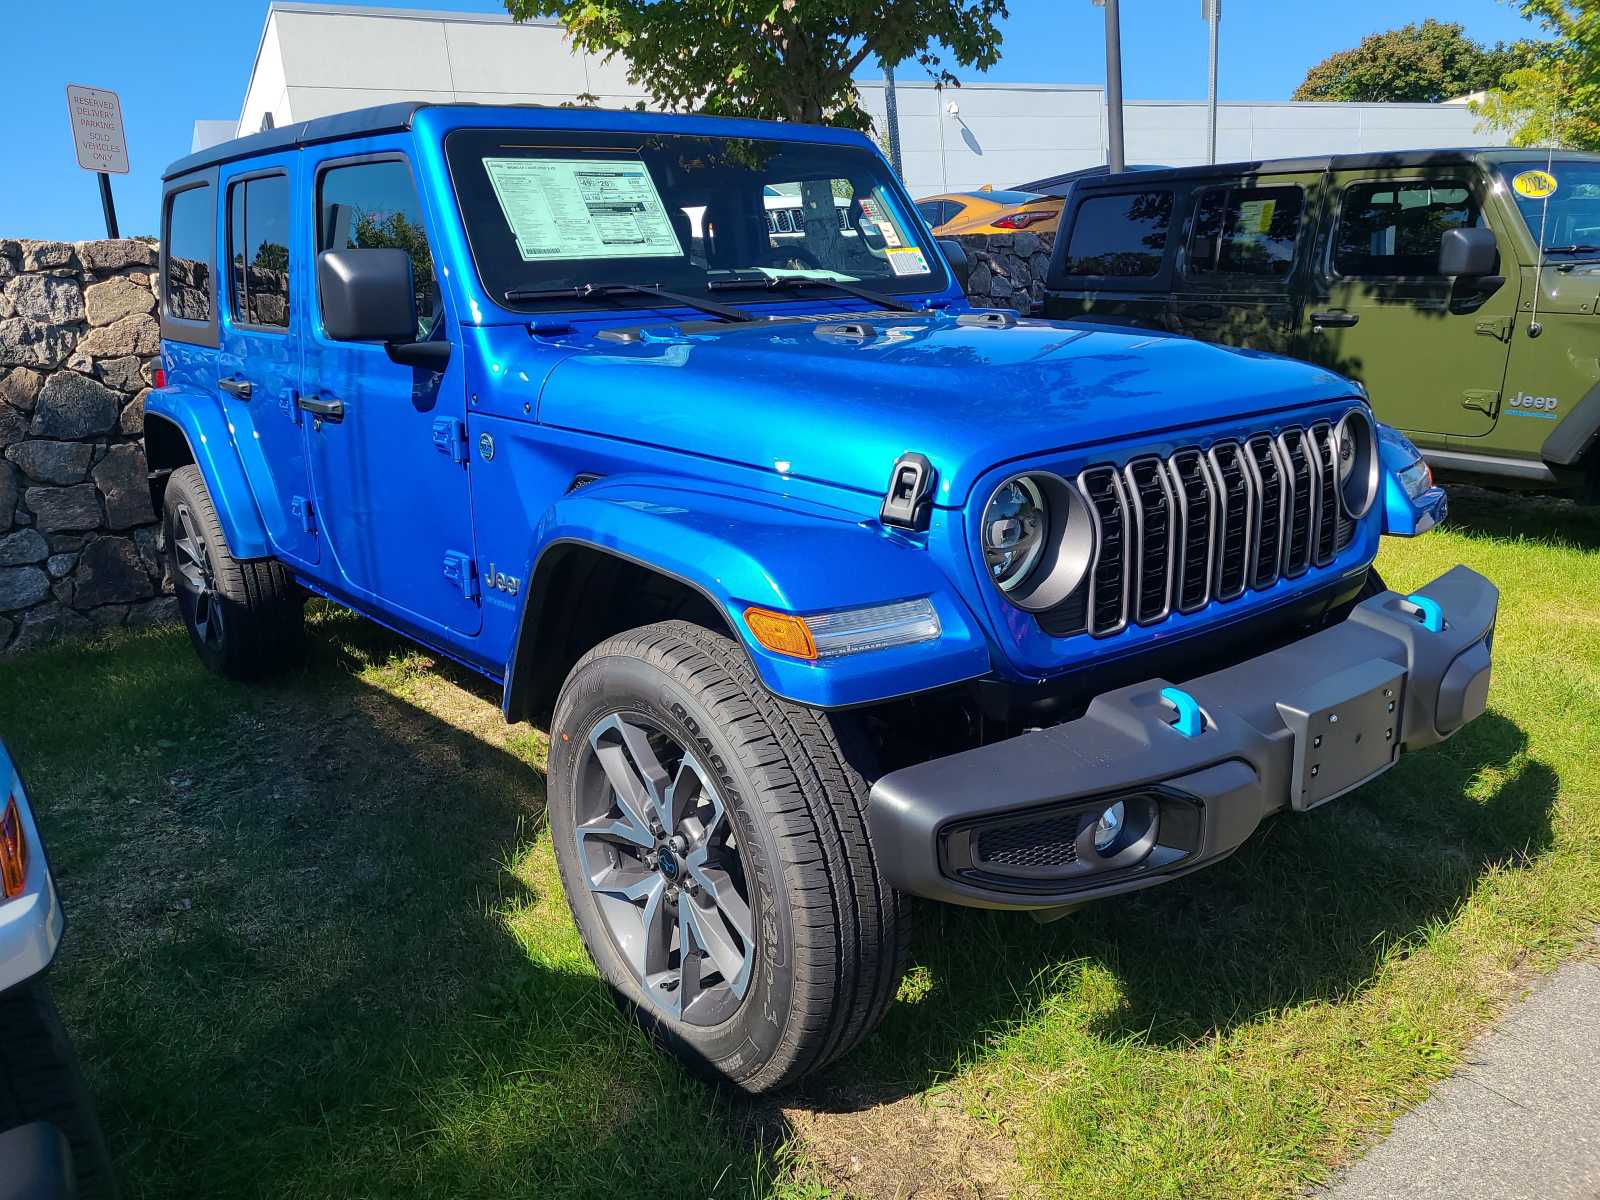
(1114,155)
(1211,10)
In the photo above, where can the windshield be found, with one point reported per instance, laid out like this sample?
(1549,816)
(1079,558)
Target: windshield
(551,211)
(1569,215)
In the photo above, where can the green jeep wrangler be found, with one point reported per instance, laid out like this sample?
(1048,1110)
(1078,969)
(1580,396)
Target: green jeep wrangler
(1460,286)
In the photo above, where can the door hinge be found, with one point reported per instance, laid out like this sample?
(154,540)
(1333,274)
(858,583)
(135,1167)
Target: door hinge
(300,506)
(1484,401)
(1498,328)
(450,437)
(460,570)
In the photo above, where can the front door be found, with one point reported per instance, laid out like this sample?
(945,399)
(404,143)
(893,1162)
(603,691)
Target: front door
(389,470)
(1238,270)
(1431,350)
(258,348)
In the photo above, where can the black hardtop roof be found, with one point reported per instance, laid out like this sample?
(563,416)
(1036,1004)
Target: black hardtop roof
(1368,161)
(383,118)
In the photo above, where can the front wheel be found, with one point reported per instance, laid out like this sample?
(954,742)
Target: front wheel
(713,844)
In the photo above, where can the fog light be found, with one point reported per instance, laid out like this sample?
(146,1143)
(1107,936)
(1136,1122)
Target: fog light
(1109,826)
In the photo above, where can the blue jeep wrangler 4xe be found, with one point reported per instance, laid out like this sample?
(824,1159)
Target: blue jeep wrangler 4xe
(831,590)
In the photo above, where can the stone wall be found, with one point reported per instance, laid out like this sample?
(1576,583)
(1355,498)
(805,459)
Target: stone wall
(78,346)
(1008,269)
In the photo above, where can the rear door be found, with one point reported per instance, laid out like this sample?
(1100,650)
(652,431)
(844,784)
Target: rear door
(1431,350)
(1115,260)
(1236,273)
(263,294)
(390,471)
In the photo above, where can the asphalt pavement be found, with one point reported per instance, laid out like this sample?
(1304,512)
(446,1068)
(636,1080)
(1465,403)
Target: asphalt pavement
(1520,1121)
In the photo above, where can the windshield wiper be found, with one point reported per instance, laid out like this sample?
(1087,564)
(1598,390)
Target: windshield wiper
(795,283)
(588,292)
(1577,248)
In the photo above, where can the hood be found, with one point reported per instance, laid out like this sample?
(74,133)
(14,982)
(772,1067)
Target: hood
(838,400)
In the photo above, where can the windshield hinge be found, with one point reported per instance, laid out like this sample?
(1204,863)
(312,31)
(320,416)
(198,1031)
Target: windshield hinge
(450,437)
(460,570)
(1498,328)
(909,498)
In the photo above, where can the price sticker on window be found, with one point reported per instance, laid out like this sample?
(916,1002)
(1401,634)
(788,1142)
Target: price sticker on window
(1535,185)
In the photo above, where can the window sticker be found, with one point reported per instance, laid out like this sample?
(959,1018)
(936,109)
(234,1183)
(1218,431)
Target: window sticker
(1255,216)
(907,260)
(582,208)
(1534,185)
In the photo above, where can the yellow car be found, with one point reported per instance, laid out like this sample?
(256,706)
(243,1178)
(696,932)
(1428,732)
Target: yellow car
(952,214)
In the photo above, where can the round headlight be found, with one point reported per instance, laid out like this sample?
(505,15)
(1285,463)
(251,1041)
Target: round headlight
(1014,529)
(1355,444)
(1037,540)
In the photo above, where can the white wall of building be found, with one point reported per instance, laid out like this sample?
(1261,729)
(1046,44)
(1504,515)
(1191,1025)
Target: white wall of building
(317,59)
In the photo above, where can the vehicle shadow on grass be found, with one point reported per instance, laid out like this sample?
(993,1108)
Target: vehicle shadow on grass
(1305,911)
(1555,520)
(317,949)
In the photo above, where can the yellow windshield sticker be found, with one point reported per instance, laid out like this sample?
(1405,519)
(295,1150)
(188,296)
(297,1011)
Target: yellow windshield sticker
(907,260)
(1535,185)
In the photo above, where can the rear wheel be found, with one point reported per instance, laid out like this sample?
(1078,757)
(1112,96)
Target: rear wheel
(245,619)
(713,845)
(40,1081)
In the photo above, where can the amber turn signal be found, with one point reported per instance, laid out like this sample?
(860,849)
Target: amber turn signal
(13,851)
(782,633)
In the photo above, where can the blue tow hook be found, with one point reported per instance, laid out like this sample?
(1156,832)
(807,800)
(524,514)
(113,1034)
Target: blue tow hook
(1428,612)
(1190,722)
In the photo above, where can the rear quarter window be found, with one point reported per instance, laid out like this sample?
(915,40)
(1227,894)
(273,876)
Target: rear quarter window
(190,249)
(1122,236)
(1245,231)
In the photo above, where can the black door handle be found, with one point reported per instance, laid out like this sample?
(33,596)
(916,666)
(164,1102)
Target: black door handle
(235,387)
(1337,319)
(326,407)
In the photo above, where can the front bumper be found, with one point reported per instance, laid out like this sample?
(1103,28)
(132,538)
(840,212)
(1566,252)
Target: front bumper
(1011,825)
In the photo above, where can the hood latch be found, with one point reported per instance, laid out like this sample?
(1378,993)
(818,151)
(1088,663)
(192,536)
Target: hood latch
(909,498)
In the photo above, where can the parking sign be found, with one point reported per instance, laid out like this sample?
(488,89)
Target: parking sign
(97,129)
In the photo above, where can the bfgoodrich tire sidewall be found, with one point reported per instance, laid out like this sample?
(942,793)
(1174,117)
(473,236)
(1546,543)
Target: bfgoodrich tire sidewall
(737,1048)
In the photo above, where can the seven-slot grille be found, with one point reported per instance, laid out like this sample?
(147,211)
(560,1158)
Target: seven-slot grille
(1174,534)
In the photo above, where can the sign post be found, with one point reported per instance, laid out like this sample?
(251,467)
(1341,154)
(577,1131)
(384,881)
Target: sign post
(1211,10)
(1114,140)
(99,140)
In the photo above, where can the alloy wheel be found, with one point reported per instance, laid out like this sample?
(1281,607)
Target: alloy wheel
(196,578)
(657,849)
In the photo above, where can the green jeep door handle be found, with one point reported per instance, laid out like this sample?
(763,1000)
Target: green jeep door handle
(1334,319)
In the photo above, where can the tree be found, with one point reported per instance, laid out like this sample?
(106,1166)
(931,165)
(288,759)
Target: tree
(1554,97)
(1428,63)
(783,59)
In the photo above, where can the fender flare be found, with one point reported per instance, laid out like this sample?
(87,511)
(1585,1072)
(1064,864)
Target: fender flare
(741,547)
(1571,440)
(197,418)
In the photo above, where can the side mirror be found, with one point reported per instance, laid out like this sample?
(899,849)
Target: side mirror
(1468,253)
(366,295)
(956,255)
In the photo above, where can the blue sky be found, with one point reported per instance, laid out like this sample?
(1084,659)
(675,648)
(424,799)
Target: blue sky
(179,60)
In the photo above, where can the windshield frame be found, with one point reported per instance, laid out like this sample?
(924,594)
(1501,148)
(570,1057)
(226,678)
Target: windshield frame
(465,146)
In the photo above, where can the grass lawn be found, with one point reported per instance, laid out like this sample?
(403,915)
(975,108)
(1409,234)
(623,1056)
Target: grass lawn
(316,945)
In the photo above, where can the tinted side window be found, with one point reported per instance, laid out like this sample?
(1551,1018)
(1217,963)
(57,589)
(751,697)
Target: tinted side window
(1120,235)
(258,241)
(1245,231)
(1394,228)
(374,205)
(189,253)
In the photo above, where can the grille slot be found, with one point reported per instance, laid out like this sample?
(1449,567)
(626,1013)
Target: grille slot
(1261,460)
(1237,504)
(1108,577)
(1300,502)
(1032,845)
(1150,496)
(1329,512)
(1197,521)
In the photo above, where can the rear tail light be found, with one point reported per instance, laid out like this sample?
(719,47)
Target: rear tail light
(1021,220)
(160,377)
(13,851)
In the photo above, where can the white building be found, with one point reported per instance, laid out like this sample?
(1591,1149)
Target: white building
(316,59)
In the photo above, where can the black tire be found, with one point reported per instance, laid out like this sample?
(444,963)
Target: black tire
(40,1081)
(246,619)
(831,936)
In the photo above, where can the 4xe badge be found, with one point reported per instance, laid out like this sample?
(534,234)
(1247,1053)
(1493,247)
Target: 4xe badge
(486,447)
